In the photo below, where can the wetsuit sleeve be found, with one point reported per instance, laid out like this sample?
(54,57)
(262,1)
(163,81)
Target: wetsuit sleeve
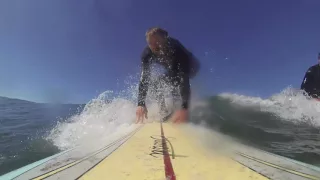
(307,80)
(144,78)
(182,58)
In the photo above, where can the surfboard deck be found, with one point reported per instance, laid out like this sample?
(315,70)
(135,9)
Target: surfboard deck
(163,151)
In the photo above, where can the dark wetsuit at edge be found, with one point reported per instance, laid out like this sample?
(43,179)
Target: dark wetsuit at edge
(311,81)
(176,61)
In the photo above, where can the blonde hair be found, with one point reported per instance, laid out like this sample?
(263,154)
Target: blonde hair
(156,30)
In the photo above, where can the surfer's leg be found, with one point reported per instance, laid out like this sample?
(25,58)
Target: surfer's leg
(160,95)
(176,97)
(161,102)
(176,94)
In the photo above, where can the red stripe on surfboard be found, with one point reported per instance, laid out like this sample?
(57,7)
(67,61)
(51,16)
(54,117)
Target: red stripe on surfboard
(168,168)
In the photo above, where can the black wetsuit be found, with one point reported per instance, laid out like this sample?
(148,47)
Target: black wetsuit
(180,65)
(311,81)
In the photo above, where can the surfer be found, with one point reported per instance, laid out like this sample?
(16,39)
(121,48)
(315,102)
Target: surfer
(311,80)
(180,65)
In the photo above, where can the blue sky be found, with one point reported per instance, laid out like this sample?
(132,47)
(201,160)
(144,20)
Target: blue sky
(71,50)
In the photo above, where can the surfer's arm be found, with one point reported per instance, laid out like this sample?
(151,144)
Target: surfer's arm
(307,80)
(144,78)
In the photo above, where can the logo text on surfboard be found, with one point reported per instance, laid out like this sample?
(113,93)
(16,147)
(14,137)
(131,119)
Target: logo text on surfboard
(159,149)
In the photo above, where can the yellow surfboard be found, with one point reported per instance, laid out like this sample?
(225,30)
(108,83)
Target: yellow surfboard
(149,154)
(164,151)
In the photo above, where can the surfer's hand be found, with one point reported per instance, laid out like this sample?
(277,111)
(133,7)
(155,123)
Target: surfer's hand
(180,116)
(141,113)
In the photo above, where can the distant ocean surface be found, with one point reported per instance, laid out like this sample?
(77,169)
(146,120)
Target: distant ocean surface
(23,126)
(287,124)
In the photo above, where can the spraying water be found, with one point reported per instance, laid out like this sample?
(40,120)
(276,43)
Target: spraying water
(108,114)
(99,118)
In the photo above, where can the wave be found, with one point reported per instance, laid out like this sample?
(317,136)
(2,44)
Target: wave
(287,123)
(107,115)
(289,105)
(99,118)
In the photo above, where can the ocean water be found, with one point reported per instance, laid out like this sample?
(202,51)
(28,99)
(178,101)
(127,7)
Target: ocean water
(287,124)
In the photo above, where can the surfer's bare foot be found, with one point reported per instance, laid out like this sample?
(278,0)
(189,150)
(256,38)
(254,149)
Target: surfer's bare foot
(180,116)
(138,121)
(141,113)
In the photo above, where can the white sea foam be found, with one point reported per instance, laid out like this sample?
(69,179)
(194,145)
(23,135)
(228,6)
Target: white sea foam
(290,105)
